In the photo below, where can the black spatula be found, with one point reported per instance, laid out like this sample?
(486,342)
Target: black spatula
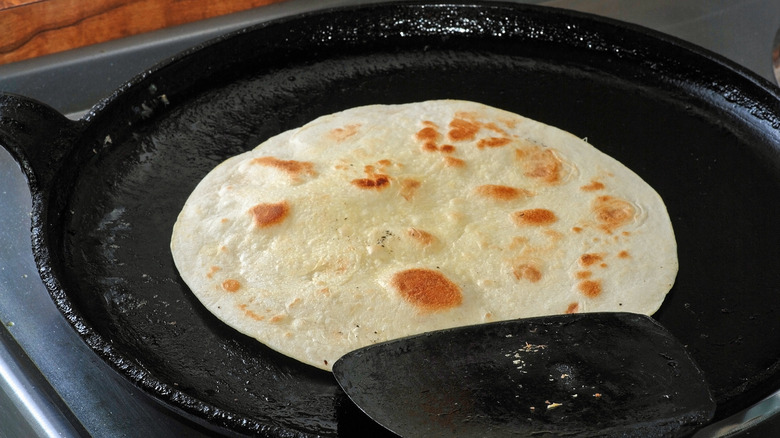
(598,374)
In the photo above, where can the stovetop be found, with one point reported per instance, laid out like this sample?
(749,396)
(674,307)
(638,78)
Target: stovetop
(52,384)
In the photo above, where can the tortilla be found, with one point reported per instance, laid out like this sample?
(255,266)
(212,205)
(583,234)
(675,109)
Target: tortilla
(390,220)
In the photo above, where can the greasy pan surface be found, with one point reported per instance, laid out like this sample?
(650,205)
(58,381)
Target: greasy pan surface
(703,133)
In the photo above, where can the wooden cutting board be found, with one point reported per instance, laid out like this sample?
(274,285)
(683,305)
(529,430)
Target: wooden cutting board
(32,28)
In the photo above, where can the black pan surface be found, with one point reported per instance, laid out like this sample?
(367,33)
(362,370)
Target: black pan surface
(107,189)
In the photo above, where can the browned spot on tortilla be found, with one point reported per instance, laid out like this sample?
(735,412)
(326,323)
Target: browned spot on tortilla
(373,180)
(593,186)
(277,318)
(590,259)
(294,169)
(573,308)
(534,216)
(249,313)
(382,164)
(581,275)
(409,187)
(495,128)
(212,270)
(612,213)
(527,271)
(510,123)
(429,137)
(493,142)
(422,237)
(624,254)
(554,236)
(518,242)
(590,288)
(540,163)
(428,134)
(376,182)
(430,146)
(462,129)
(465,126)
(231,285)
(454,162)
(342,265)
(341,134)
(427,289)
(267,215)
(501,193)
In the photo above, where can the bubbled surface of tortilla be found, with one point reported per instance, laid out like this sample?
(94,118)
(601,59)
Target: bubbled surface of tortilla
(385,221)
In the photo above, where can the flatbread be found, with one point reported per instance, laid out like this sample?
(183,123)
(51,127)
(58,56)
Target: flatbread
(385,221)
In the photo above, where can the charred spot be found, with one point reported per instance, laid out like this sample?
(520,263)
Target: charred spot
(409,187)
(540,163)
(423,237)
(278,318)
(593,186)
(231,285)
(430,146)
(462,129)
(341,134)
(454,162)
(383,238)
(582,275)
(427,289)
(590,288)
(267,215)
(295,169)
(527,271)
(250,313)
(493,142)
(590,259)
(534,216)
(213,270)
(428,134)
(612,213)
(501,193)
(373,180)
(377,182)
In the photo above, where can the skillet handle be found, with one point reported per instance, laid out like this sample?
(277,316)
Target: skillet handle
(37,135)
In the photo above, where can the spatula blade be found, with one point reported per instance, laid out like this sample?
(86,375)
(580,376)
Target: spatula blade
(597,374)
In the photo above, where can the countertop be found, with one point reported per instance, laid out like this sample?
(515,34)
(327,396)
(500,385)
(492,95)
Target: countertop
(33,28)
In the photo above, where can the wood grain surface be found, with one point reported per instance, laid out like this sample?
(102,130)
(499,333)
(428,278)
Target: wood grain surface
(31,28)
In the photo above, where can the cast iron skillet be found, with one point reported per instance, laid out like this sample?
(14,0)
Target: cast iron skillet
(107,189)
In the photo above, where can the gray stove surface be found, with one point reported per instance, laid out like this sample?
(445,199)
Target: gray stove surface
(52,385)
